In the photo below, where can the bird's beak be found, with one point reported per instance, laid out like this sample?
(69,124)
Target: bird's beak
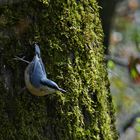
(62,90)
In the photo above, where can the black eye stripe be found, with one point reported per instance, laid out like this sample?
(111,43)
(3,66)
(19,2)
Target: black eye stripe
(49,85)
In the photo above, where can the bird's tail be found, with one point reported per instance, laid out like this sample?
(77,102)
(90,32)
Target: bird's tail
(37,50)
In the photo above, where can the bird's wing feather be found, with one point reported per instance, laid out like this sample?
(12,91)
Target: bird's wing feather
(42,66)
(38,55)
(38,66)
(37,69)
(37,72)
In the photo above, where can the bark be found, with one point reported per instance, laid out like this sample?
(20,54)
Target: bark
(70,36)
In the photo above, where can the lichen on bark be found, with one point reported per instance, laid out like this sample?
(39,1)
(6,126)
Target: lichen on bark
(70,36)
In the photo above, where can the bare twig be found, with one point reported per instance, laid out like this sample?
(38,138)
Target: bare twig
(21,59)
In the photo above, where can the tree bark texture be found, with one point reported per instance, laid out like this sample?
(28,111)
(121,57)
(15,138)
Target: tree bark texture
(70,36)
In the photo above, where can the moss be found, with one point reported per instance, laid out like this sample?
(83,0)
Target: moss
(71,36)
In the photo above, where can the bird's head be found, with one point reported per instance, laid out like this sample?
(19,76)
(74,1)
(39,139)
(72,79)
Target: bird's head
(51,85)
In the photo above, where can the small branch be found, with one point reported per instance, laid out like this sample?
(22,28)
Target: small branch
(21,59)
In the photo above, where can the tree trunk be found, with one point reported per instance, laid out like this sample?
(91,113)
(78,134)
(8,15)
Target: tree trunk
(107,12)
(70,36)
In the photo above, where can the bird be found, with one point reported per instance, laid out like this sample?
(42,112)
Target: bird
(36,79)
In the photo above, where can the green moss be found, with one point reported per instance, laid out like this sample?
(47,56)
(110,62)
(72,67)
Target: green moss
(70,35)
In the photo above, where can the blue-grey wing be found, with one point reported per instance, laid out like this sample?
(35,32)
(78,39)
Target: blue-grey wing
(42,65)
(37,71)
(38,55)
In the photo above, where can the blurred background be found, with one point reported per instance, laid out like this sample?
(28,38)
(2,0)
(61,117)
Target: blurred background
(121,25)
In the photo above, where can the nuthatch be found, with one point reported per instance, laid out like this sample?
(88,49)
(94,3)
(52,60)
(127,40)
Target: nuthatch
(36,78)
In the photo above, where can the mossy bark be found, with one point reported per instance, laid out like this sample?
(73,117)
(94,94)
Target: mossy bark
(70,36)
